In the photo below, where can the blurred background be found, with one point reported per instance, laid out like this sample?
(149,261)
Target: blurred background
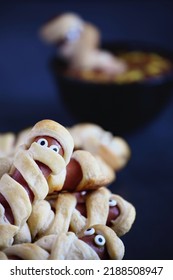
(28,93)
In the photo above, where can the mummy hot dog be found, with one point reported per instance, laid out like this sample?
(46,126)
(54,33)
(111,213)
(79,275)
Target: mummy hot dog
(70,34)
(102,207)
(113,150)
(64,31)
(98,242)
(38,168)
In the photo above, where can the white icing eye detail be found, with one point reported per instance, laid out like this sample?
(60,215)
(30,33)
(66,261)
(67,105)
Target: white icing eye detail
(100,240)
(55,148)
(89,231)
(112,202)
(83,193)
(42,142)
(73,34)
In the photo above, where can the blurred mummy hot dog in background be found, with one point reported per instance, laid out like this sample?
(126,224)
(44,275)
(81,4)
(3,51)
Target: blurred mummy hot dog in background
(70,34)
(64,31)
(78,42)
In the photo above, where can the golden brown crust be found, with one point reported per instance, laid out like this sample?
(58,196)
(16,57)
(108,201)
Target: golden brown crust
(78,222)
(45,221)
(23,235)
(106,169)
(93,176)
(46,242)
(97,205)
(5,165)
(123,223)
(3,256)
(26,251)
(7,233)
(7,141)
(17,198)
(40,218)
(64,207)
(68,247)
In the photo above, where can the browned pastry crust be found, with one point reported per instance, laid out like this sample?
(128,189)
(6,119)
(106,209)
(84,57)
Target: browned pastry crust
(5,165)
(24,251)
(46,242)
(123,223)
(93,176)
(23,235)
(67,246)
(45,221)
(7,141)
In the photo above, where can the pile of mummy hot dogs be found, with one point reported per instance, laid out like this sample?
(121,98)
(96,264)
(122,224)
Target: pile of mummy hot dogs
(55,198)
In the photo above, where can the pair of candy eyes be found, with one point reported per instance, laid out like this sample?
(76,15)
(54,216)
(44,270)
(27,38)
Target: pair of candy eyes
(112,202)
(43,142)
(98,239)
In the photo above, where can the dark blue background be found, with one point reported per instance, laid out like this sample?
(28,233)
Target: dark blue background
(28,94)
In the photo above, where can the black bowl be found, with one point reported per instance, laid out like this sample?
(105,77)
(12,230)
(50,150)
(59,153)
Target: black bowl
(120,108)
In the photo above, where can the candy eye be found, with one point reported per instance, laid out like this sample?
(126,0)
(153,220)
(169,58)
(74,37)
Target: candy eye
(83,193)
(112,202)
(73,34)
(42,142)
(55,148)
(89,231)
(100,240)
